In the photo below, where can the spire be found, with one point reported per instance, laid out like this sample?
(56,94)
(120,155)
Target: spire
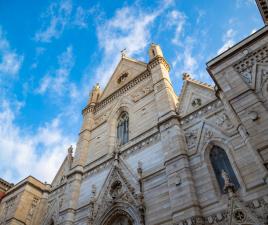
(95,93)
(155,51)
(263,8)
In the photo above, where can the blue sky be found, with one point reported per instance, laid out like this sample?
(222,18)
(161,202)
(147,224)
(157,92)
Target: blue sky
(53,52)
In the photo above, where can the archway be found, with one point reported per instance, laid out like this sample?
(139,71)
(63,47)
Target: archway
(118,216)
(119,220)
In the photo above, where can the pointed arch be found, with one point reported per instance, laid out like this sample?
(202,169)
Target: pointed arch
(229,151)
(220,162)
(123,128)
(124,104)
(120,210)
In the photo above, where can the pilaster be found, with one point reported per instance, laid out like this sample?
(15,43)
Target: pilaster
(182,193)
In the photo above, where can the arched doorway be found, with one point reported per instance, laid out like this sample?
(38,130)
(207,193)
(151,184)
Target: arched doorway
(119,220)
(118,217)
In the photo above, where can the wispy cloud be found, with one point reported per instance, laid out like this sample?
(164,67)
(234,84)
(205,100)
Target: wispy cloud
(57,81)
(129,28)
(10,60)
(176,19)
(39,154)
(228,39)
(81,17)
(240,3)
(58,16)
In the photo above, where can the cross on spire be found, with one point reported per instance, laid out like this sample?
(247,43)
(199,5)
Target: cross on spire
(123,52)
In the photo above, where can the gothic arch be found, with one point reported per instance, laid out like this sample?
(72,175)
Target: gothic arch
(122,128)
(205,159)
(122,210)
(124,104)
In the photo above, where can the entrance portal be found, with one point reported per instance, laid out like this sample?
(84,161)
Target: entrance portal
(119,220)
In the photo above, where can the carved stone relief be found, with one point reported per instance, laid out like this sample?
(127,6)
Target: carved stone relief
(223,121)
(32,209)
(8,207)
(191,138)
(117,190)
(245,66)
(254,213)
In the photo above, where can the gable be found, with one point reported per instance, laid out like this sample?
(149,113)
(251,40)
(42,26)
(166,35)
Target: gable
(126,70)
(194,95)
(62,172)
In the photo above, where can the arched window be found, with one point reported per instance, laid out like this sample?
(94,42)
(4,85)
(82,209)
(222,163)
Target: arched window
(220,162)
(122,129)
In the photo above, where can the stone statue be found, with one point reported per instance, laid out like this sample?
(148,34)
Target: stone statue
(228,185)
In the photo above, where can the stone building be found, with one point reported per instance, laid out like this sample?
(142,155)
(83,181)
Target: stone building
(148,156)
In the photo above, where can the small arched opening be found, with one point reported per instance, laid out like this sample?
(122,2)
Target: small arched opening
(220,162)
(123,128)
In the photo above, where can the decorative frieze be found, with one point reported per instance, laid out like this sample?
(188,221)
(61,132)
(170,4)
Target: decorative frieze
(245,66)
(134,148)
(97,169)
(122,90)
(141,145)
(202,112)
(158,60)
(254,212)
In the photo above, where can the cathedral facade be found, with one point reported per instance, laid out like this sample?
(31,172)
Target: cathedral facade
(146,156)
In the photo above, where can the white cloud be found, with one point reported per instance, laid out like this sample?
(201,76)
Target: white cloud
(80,18)
(57,81)
(39,154)
(240,3)
(228,40)
(130,29)
(176,19)
(253,31)
(10,61)
(185,61)
(59,16)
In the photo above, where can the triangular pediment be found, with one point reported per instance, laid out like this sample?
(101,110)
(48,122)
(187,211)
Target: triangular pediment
(126,70)
(120,187)
(194,95)
(62,172)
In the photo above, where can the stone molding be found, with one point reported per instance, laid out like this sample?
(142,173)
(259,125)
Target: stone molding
(158,60)
(148,141)
(245,66)
(247,213)
(203,111)
(146,74)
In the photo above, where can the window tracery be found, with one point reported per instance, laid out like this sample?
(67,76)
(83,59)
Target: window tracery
(122,129)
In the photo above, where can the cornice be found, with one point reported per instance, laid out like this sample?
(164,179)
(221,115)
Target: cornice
(263,8)
(118,93)
(158,60)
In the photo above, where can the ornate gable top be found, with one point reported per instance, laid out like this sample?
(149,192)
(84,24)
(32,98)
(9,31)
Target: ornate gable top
(126,70)
(194,94)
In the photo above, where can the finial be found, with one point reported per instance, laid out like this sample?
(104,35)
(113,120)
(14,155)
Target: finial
(70,150)
(123,52)
(96,87)
(186,76)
